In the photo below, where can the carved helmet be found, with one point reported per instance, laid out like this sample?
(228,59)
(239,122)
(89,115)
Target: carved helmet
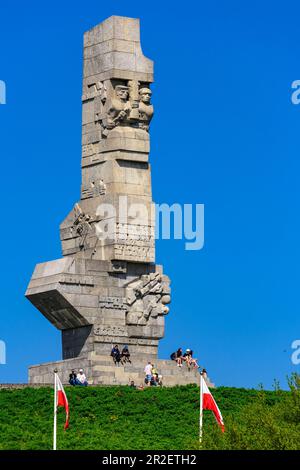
(144,91)
(122,87)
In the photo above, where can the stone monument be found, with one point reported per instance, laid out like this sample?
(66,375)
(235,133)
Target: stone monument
(107,288)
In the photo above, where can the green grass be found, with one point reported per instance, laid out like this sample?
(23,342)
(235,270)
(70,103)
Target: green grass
(113,418)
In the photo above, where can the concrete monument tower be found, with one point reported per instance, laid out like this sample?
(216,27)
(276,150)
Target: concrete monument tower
(107,288)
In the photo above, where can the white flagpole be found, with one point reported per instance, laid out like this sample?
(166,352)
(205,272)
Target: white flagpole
(201,410)
(55,409)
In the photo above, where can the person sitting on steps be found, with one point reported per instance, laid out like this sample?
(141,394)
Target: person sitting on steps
(72,377)
(173,356)
(190,361)
(159,380)
(125,355)
(81,379)
(179,354)
(132,384)
(153,381)
(178,357)
(116,355)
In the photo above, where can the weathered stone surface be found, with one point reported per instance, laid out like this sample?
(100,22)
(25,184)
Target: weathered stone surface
(106,289)
(100,370)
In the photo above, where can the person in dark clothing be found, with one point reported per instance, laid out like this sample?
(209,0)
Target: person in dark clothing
(116,355)
(177,356)
(125,355)
(72,378)
(153,381)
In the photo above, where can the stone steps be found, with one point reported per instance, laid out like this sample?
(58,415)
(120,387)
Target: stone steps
(101,370)
(105,371)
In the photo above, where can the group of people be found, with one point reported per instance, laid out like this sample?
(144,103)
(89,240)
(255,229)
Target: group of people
(152,377)
(78,379)
(120,356)
(180,357)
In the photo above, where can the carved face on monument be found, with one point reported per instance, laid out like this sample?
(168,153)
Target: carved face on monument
(145,94)
(122,93)
(146,298)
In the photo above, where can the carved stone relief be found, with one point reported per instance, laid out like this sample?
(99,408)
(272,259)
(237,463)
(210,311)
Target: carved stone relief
(110,331)
(147,298)
(96,188)
(94,90)
(81,225)
(124,104)
(112,303)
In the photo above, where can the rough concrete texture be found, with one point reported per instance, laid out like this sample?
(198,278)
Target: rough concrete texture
(101,370)
(106,289)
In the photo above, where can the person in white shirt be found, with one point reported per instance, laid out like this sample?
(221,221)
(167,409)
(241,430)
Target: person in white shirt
(81,378)
(148,372)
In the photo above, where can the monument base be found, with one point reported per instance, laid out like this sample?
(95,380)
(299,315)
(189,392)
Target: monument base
(101,370)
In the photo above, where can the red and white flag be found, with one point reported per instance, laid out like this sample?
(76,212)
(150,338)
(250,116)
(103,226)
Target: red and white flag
(207,402)
(61,399)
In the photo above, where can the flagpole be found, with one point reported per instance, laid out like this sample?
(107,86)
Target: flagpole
(55,409)
(201,410)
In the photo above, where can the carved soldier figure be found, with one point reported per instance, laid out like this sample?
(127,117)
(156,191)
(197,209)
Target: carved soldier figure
(119,107)
(81,224)
(99,187)
(107,288)
(145,108)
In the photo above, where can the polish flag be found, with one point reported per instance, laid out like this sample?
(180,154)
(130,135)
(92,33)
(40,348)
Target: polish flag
(61,399)
(207,402)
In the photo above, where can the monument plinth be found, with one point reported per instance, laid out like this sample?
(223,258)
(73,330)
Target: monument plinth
(107,288)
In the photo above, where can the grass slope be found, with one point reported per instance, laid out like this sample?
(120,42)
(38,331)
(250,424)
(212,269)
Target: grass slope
(121,418)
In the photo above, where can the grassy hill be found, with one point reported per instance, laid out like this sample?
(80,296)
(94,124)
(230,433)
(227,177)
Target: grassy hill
(121,418)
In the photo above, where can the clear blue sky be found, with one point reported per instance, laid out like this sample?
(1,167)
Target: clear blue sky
(225,134)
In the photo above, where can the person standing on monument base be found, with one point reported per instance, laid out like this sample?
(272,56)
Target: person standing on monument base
(148,372)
